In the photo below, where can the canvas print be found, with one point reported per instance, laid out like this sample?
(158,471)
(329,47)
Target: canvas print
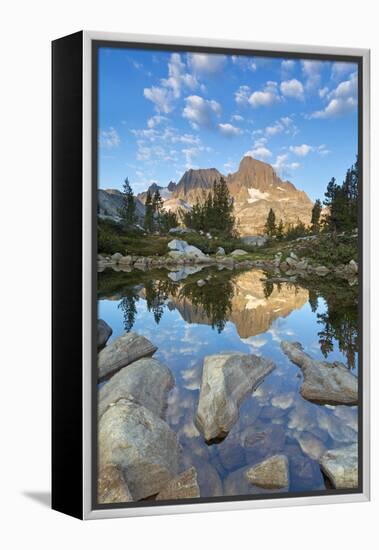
(228,193)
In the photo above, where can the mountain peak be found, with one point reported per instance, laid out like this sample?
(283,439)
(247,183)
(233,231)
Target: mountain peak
(154,187)
(254,173)
(248,161)
(194,180)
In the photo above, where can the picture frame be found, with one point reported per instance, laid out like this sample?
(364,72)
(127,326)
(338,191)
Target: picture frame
(75,184)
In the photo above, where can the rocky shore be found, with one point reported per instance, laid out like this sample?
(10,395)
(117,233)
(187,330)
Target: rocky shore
(282,267)
(139,454)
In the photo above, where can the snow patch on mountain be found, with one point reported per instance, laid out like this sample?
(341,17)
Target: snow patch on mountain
(256,195)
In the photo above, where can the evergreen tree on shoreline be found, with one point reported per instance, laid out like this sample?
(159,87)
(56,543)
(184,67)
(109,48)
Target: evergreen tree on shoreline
(342,201)
(270,225)
(149,213)
(128,208)
(280,230)
(214,212)
(316,213)
(157,206)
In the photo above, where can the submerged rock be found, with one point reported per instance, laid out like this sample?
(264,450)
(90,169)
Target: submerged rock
(141,445)
(111,485)
(231,453)
(104,332)
(237,483)
(208,478)
(324,383)
(145,381)
(261,444)
(349,417)
(121,352)
(341,466)
(271,473)
(227,379)
(337,428)
(183,486)
(311,445)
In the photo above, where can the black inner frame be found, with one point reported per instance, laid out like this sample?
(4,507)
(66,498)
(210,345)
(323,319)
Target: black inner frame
(95,46)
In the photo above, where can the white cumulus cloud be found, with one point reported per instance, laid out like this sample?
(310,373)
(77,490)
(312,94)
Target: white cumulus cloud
(288,64)
(201,112)
(284,124)
(265,97)
(170,88)
(156,120)
(341,69)
(242,95)
(109,139)
(283,167)
(312,72)
(161,97)
(245,63)
(341,100)
(259,150)
(292,88)
(203,63)
(301,150)
(178,77)
(229,130)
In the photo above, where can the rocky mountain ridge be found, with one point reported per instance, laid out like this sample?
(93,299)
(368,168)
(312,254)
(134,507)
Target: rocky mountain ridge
(255,188)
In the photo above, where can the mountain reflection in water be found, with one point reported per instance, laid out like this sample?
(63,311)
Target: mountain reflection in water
(248,299)
(189,315)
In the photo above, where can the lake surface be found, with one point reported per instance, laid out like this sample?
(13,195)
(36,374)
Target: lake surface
(242,312)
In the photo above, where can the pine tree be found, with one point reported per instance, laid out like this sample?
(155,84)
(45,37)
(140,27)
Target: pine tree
(168,220)
(128,208)
(350,190)
(316,213)
(280,230)
(157,205)
(208,214)
(342,201)
(332,202)
(270,226)
(354,193)
(225,208)
(149,214)
(214,212)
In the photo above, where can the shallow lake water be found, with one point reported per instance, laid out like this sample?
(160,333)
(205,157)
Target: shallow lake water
(242,311)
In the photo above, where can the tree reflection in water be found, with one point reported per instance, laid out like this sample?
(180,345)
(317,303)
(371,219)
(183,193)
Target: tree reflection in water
(340,319)
(157,293)
(213,300)
(128,308)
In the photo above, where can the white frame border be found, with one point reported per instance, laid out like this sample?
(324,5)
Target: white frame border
(88,512)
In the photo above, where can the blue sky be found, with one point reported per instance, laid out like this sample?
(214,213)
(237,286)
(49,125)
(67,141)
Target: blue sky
(161,113)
